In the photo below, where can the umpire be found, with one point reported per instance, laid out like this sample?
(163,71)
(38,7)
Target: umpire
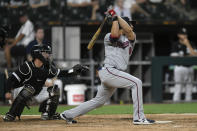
(32,76)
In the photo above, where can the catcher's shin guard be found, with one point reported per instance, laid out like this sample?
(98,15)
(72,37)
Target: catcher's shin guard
(49,106)
(19,103)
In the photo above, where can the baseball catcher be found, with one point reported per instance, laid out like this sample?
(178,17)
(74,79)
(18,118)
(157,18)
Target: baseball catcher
(32,76)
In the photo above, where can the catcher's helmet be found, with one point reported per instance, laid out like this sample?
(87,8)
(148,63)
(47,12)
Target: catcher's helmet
(3,35)
(37,52)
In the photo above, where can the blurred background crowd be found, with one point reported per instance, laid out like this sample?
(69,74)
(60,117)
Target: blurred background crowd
(62,11)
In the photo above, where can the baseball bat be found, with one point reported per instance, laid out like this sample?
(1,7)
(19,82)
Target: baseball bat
(6,75)
(95,36)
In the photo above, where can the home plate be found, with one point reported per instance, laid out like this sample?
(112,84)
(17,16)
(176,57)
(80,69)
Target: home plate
(162,122)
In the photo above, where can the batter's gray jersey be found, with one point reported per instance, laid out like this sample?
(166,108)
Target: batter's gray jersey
(118,54)
(112,76)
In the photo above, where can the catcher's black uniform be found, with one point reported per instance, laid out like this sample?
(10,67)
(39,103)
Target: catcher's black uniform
(33,79)
(29,74)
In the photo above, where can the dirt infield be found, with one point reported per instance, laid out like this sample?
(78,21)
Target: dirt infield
(180,122)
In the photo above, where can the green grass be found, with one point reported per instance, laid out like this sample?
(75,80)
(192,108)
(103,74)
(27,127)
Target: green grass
(122,109)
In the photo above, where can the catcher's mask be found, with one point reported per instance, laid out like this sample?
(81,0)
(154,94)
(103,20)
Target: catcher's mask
(42,52)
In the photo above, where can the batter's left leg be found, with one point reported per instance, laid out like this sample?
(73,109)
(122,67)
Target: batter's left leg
(119,79)
(137,97)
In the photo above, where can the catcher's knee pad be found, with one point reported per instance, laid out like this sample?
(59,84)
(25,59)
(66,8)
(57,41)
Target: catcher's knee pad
(49,106)
(21,101)
(53,91)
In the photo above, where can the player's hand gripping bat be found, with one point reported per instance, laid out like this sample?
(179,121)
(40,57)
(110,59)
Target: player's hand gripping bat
(94,38)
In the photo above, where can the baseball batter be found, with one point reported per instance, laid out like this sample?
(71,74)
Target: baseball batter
(119,45)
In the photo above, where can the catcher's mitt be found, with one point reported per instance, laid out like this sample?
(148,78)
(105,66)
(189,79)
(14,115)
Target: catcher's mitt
(80,68)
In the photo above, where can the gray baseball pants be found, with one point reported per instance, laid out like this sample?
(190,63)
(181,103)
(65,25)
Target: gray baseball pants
(112,79)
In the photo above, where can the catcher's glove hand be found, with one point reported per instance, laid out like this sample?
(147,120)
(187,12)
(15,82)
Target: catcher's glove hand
(80,68)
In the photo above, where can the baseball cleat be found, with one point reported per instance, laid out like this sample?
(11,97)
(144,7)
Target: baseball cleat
(56,116)
(143,122)
(8,118)
(45,116)
(68,120)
